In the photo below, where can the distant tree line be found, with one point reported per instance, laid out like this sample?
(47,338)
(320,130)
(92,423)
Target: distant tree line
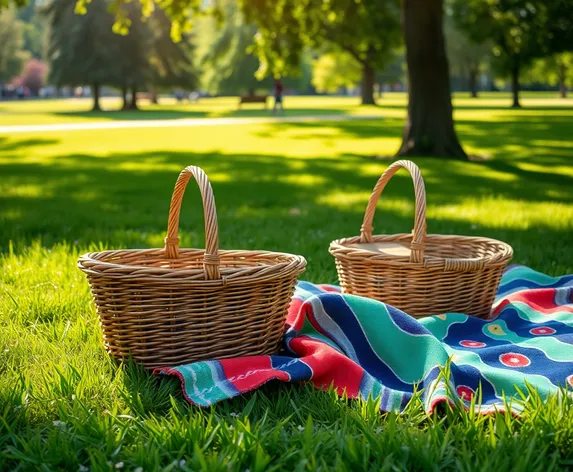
(90,48)
(87,47)
(225,55)
(238,46)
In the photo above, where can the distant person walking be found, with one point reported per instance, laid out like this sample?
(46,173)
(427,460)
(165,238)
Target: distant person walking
(278,96)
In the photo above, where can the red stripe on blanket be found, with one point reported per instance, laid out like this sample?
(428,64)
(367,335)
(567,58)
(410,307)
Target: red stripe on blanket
(248,373)
(541,300)
(294,317)
(328,288)
(329,366)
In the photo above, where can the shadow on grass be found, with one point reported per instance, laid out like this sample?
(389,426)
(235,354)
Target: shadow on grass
(156,113)
(264,202)
(7,145)
(481,105)
(544,138)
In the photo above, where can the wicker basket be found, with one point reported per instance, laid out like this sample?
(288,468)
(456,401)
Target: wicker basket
(420,274)
(171,306)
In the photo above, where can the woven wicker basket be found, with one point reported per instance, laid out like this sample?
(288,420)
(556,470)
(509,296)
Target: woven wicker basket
(171,306)
(420,274)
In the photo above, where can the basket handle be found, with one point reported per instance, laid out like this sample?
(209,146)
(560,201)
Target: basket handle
(211,256)
(419,231)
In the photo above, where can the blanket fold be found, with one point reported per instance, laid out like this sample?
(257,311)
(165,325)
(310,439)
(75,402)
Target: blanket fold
(367,348)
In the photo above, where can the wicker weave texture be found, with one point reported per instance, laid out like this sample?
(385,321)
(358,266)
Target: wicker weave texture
(441,273)
(171,306)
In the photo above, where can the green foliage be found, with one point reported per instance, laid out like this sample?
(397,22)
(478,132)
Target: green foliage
(367,30)
(465,56)
(554,70)
(34,24)
(519,30)
(82,49)
(170,63)
(92,48)
(4,4)
(12,53)
(222,47)
(335,70)
(225,51)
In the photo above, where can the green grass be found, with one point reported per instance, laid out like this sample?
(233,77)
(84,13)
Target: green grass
(392,105)
(284,186)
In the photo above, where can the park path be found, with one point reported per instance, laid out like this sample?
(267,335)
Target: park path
(185,122)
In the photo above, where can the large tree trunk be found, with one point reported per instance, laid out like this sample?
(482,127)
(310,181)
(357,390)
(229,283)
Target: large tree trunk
(133,104)
(124,105)
(515,85)
(473,83)
(429,129)
(562,78)
(368,78)
(95,93)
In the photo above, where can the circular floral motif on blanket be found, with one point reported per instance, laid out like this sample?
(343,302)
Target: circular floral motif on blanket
(476,344)
(512,359)
(465,392)
(542,330)
(569,380)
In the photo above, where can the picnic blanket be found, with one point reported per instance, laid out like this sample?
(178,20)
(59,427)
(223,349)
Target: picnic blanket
(365,348)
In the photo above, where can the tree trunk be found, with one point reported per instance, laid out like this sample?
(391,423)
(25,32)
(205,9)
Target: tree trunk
(133,104)
(124,105)
(562,84)
(154,97)
(515,85)
(368,79)
(429,129)
(473,83)
(95,93)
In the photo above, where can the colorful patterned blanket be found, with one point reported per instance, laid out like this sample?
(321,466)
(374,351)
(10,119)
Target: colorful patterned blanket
(366,348)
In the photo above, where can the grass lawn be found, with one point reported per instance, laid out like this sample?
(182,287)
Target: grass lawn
(284,186)
(392,105)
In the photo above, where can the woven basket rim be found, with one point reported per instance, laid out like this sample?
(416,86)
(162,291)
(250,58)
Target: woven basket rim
(92,264)
(342,247)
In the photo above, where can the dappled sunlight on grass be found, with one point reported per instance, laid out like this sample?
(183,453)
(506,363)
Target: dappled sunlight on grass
(480,171)
(547,168)
(299,179)
(26,191)
(353,201)
(503,213)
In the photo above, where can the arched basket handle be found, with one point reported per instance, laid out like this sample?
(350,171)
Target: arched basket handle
(211,257)
(419,231)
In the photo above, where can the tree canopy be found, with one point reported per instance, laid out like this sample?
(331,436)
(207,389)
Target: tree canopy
(555,70)
(467,57)
(335,70)
(519,30)
(12,54)
(223,51)
(34,26)
(368,30)
(92,48)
